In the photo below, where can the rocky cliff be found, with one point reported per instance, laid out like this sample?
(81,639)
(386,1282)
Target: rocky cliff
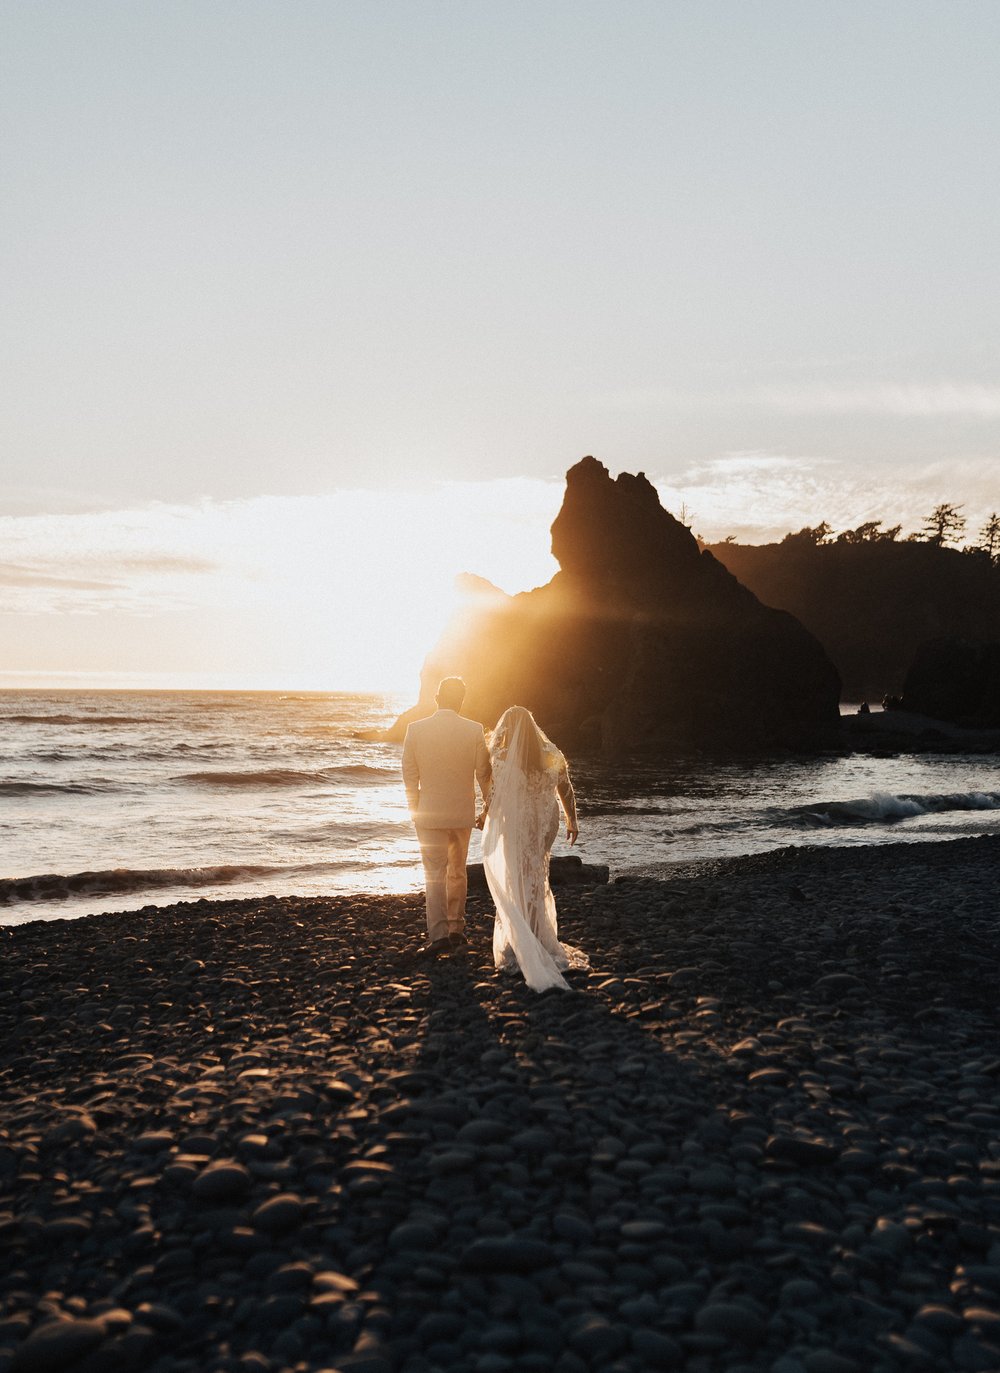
(872,603)
(639,643)
(956,681)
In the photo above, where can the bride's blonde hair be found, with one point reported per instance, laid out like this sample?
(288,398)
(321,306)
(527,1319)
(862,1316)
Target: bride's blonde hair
(534,752)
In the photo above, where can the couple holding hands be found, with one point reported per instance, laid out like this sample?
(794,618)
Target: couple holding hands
(524,781)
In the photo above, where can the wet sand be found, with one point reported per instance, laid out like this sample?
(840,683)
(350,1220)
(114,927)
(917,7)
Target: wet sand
(762,1133)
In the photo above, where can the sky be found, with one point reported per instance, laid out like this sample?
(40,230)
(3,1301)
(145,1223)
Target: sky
(306,307)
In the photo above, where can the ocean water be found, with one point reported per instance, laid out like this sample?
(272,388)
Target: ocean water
(116,800)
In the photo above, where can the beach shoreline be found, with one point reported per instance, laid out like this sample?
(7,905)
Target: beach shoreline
(763,1132)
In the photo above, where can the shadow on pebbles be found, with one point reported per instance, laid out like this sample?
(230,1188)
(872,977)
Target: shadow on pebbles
(762,1133)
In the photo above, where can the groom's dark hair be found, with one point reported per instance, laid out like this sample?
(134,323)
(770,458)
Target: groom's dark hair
(450,693)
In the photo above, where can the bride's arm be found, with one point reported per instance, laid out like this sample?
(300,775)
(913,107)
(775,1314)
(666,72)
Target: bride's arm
(568,798)
(486,787)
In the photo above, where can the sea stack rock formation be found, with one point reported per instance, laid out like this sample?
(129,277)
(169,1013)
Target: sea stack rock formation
(640,642)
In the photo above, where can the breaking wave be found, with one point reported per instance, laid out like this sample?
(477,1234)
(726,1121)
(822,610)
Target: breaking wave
(54,788)
(80,719)
(59,886)
(286,777)
(883,808)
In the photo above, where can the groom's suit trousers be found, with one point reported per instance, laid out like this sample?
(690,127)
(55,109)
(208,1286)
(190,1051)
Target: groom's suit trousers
(444,853)
(443,757)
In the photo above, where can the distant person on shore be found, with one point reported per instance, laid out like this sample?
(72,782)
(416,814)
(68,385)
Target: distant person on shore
(443,756)
(520,823)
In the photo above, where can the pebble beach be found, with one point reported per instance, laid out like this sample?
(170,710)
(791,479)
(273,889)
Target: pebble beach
(762,1133)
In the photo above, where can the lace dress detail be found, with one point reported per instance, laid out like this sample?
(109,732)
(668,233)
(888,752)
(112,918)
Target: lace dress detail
(521,826)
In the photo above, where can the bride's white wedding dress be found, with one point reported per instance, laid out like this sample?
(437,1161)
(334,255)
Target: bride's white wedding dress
(521,824)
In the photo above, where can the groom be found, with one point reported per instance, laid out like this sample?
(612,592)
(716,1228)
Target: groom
(442,758)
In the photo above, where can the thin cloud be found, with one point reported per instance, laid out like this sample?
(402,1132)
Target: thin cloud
(941,400)
(11,574)
(902,400)
(760,497)
(166,563)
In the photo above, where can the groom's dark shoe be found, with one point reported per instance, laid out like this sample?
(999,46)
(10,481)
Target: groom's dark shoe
(436,949)
(457,940)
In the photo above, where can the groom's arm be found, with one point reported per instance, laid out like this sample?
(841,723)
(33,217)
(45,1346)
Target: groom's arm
(411,774)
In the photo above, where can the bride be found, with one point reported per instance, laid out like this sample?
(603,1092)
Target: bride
(520,822)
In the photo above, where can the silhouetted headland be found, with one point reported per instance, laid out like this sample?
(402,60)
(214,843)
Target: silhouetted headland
(873,600)
(640,642)
(956,681)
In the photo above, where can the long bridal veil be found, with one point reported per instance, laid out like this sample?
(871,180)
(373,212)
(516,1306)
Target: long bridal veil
(522,822)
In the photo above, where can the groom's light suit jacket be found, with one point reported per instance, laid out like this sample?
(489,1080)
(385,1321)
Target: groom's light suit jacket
(442,757)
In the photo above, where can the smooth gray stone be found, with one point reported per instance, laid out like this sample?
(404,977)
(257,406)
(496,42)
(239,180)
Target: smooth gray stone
(153,1142)
(65,1229)
(808,1232)
(254,1362)
(503,1336)
(687,1295)
(643,1231)
(829,1361)
(715,1179)
(440,1325)
(451,1161)
(593,1337)
(573,1228)
(986,1274)
(577,1271)
(656,1349)
(411,1234)
(913,1351)
(640,1310)
(834,983)
(263,1263)
(567,870)
(941,1319)
(290,1277)
(668,1267)
(804,1153)
(971,1355)
(278,1214)
(799,1292)
(159,1315)
(222,1181)
(68,1131)
(492,1362)
(56,1345)
(508,1255)
(891,1238)
(365,1361)
(725,1212)
(483,1131)
(175,1261)
(787,1363)
(984,1320)
(684,977)
(533,1141)
(279,1310)
(731,1321)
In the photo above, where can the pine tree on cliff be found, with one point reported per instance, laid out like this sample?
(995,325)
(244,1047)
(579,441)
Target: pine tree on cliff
(989,536)
(944,524)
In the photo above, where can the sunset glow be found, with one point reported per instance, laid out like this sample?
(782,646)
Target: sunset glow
(345,592)
(348,590)
(310,308)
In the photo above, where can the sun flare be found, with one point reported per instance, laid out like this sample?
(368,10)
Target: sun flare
(342,591)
